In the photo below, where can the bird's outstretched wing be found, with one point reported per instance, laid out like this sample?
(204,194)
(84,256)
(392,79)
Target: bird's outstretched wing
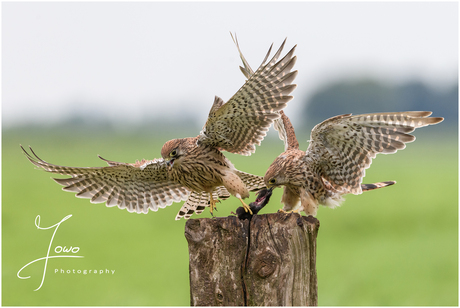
(136,187)
(237,125)
(342,147)
(286,132)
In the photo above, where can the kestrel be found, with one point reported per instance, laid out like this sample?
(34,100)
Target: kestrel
(194,169)
(341,149)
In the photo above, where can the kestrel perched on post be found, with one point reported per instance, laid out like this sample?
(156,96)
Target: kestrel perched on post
(341,149)
(194,169)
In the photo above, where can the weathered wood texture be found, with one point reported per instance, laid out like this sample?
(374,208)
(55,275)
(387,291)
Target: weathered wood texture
(269,261)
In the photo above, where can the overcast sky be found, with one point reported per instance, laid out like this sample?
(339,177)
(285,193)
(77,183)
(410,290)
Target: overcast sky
(162,58)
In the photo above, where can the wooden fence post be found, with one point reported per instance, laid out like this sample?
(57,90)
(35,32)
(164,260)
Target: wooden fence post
(267,261)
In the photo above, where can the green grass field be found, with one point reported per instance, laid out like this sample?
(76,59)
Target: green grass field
(394,246)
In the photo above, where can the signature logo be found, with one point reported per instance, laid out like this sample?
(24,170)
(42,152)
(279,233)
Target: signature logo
(57,250)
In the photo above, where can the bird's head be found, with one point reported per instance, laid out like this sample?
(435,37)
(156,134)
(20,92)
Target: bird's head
(172,151)
(276,173)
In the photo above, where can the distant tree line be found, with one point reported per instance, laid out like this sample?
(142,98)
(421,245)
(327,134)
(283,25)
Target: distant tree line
(367,96)
(355,96)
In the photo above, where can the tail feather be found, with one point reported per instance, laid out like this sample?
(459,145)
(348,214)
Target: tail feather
(367,187)
(197,202)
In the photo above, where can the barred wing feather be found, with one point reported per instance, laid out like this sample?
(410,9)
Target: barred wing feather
(244,120)
(342,147)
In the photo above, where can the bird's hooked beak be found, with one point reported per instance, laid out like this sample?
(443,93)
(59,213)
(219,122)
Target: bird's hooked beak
(170,163)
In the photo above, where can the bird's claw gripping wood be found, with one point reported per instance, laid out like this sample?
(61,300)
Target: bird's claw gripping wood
(212,204)
(246,207)
(288,212)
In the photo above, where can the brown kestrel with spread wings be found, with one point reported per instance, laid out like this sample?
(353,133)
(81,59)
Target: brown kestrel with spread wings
(341,149)
(194,169)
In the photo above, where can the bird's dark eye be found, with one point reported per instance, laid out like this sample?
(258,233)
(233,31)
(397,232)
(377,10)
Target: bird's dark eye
(272,181)
(173,153)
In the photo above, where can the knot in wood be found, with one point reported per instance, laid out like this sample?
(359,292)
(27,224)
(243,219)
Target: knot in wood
(266,264)
(219,296)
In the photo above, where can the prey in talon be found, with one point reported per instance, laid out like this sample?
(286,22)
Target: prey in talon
(263,197)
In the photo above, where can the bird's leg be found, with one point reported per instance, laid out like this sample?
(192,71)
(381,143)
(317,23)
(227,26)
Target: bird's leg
(245,206)
(212,203)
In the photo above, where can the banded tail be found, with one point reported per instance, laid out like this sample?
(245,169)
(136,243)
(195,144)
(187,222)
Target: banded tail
(197,202)
(367,187)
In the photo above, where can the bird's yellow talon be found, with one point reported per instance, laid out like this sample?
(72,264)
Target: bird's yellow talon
(212,204)
(288,212)
(246,207)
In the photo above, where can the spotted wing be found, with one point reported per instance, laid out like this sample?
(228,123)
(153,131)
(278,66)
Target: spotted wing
(136,187)
(243,121)
(342,147)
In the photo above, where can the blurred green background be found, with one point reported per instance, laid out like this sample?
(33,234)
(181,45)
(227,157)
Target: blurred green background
(394,246)
(120,78)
